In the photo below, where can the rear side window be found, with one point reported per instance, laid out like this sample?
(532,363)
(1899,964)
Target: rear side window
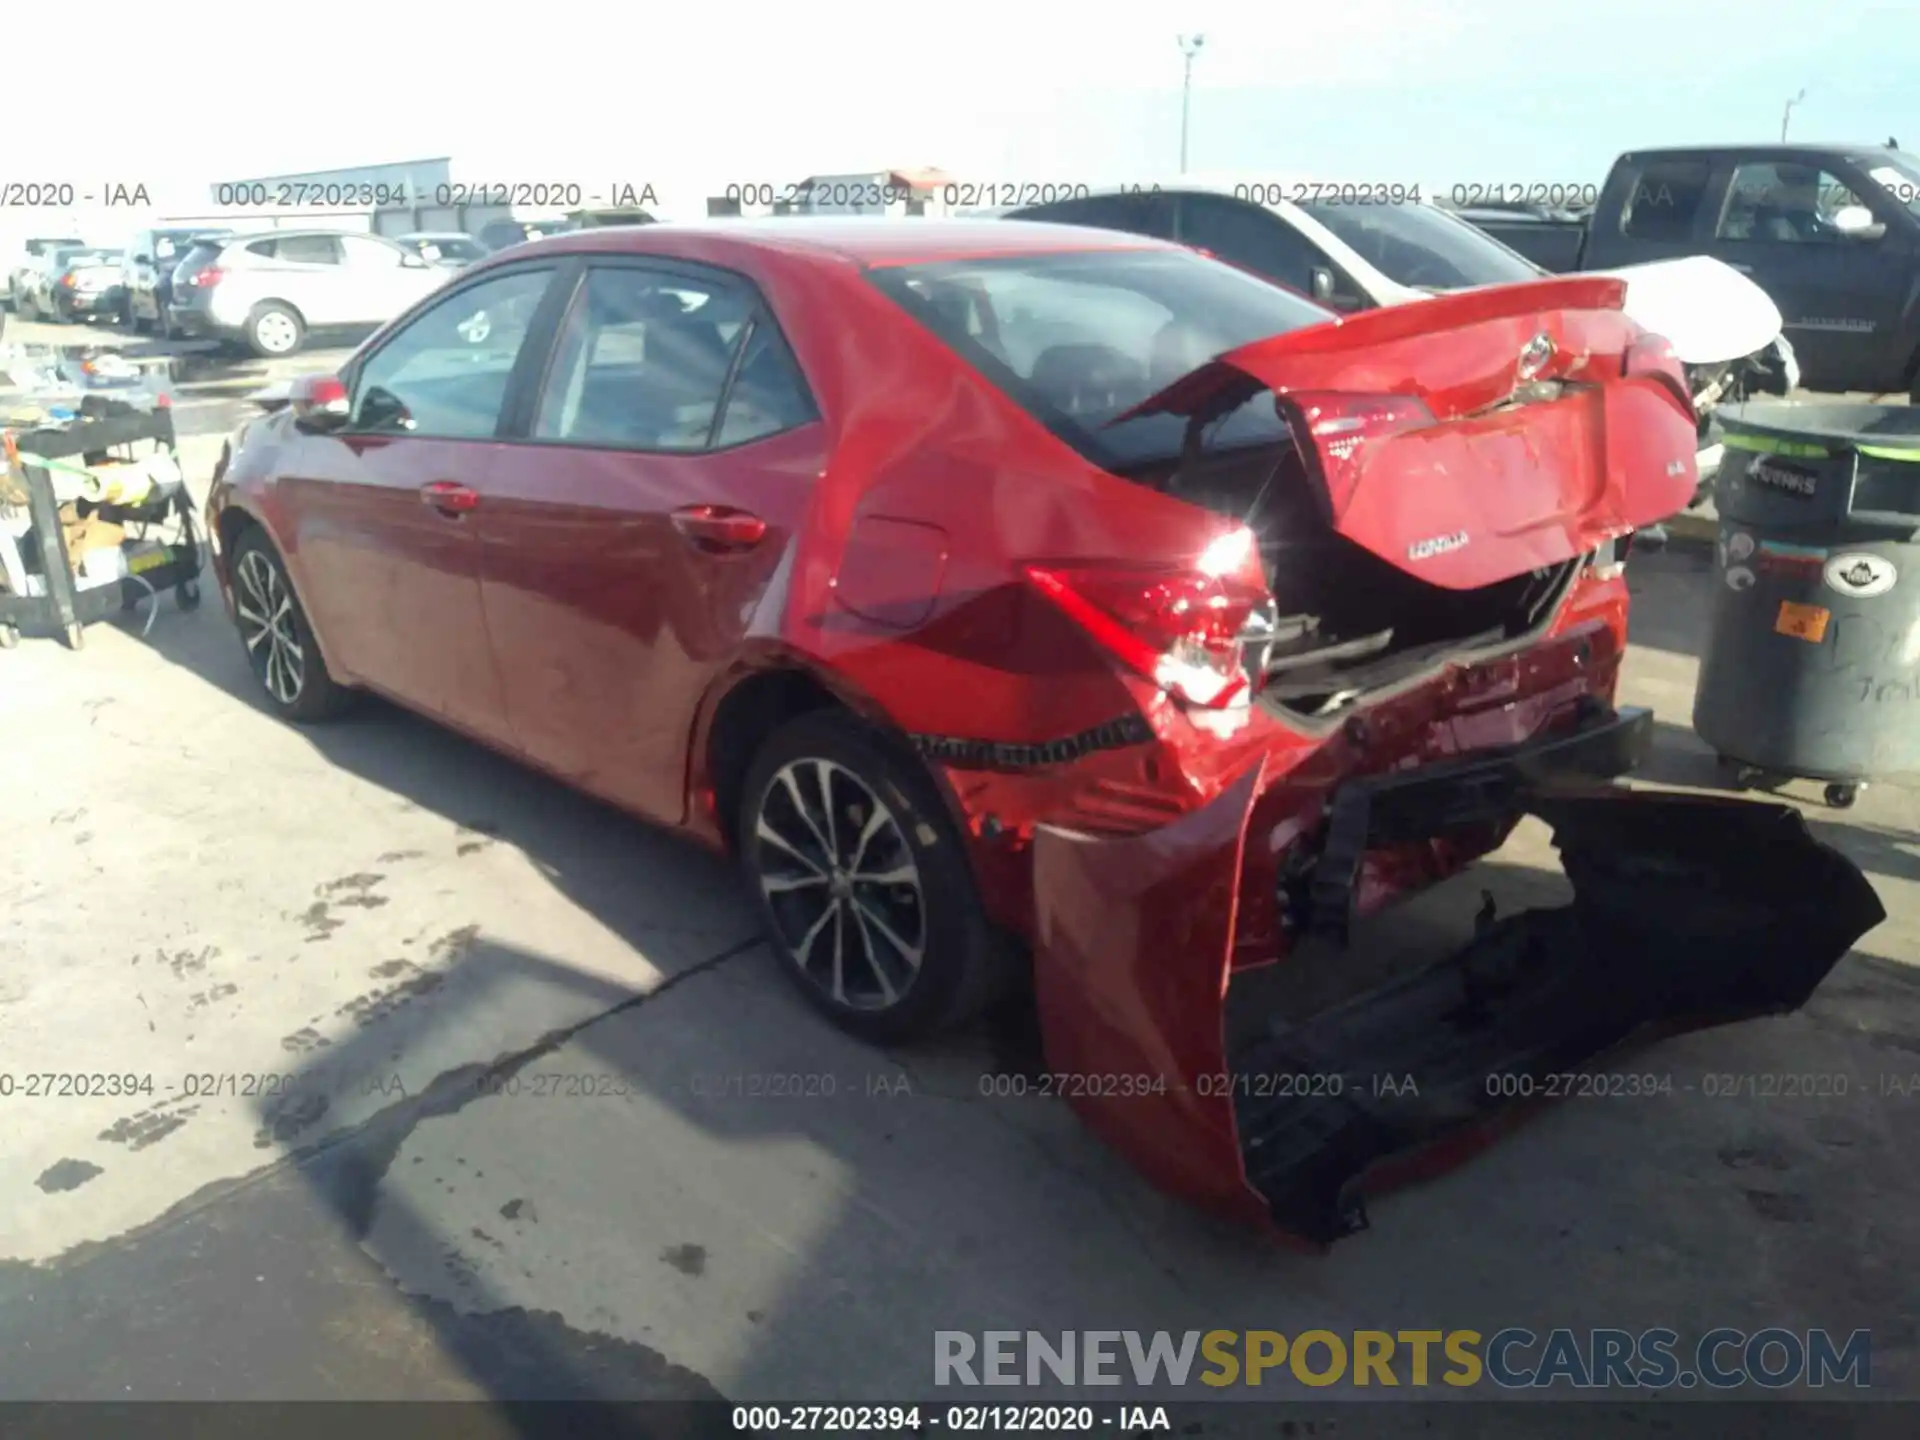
(1146,213)
(298,249)
(642,360)
(1666,200)
(1077,339)
(1248,235)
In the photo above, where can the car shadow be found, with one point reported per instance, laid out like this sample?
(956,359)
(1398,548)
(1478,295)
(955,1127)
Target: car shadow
(1014,1209)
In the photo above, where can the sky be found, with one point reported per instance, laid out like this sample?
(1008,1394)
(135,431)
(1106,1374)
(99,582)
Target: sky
(691,98)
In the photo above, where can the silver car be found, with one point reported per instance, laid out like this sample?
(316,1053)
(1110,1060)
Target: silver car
(271,291)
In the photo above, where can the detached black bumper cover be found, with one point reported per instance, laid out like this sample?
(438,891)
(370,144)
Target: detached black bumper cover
(1688,911)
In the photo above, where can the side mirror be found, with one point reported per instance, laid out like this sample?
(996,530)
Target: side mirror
(1856,222)
(319,403)
(413,262)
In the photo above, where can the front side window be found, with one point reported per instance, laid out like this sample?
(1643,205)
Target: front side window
(642,359)
(1781,202)
(1077,339)
(445,373)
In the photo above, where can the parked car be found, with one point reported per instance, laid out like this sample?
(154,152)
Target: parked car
(146,275)
(452,248)
(1552,237)
(270,292)
(1353,256)
(74,284)
(989,589)
(499,234)
(27,260)
(1830,232)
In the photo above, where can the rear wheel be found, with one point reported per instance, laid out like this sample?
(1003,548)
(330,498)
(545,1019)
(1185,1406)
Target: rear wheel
(274,330)
(863,882)
(279,641)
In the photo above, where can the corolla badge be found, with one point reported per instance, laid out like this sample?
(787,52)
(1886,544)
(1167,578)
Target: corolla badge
(1437,545)
(1534,355)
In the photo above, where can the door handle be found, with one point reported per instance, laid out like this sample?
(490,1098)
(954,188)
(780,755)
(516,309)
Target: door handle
(449,497)
(719,529)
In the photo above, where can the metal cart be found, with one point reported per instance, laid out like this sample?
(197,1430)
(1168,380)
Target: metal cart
(164,548)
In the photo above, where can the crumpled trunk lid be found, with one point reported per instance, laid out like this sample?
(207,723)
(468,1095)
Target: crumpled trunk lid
(1476,436)
(1688,911)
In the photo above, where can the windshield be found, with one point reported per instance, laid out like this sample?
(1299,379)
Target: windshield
(43,247)
(1898,174)
(73,259)
(1418,245)
(1077,339)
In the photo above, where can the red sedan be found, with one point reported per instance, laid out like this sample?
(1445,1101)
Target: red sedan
(1030,605)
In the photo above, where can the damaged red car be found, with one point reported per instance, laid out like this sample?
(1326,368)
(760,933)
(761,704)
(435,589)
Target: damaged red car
(1023,604)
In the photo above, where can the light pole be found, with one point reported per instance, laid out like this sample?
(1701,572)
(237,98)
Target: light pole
(1189,47)
(1787,114)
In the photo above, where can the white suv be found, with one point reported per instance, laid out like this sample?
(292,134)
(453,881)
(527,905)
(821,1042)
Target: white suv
(271,291)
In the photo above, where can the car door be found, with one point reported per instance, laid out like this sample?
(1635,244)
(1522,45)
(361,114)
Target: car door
(1840,294)
(304,271)
(380,283)
(639,513)
(382,512)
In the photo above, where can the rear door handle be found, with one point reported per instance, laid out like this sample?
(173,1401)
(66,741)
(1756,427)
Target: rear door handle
(449,497)
(719,529)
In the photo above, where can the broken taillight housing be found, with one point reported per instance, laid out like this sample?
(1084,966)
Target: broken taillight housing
(1339,428)
(1651,357)
(1182,629)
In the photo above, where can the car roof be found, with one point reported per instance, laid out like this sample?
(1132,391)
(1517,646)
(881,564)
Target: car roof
(864,240)
(1798,150)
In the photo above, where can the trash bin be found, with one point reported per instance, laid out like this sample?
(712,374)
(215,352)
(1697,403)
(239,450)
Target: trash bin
(1812,661)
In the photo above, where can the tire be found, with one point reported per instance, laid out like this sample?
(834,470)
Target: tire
(928,906)
(274,331)
(297,684)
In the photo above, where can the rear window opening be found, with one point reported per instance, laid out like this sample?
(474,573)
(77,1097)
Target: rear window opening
(1343,623)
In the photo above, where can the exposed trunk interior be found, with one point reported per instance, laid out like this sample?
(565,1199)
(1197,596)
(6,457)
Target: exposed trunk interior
(1344,621)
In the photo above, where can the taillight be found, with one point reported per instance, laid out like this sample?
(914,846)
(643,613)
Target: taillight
(1181,629)
(202,279)
(1341,427)
(69,280)
(1651,357)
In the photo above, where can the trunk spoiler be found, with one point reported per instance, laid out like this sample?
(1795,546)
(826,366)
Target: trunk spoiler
(1237,376)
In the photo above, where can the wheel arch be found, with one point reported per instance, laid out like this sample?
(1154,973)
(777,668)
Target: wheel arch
(233,522)
(747,706)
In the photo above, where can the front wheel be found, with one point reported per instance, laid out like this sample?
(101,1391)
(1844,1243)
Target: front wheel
(863,882)
(279,641)
(273,330)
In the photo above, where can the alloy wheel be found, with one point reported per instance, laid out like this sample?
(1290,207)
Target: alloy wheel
(841,882)
(263,606)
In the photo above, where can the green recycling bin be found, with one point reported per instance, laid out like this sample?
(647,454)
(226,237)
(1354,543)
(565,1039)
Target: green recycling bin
(1812,661)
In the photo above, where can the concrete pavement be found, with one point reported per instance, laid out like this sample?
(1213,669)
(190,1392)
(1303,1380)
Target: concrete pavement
(450,1095)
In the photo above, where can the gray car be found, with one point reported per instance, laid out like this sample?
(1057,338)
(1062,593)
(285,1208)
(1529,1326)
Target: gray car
(146,274)
(270,291)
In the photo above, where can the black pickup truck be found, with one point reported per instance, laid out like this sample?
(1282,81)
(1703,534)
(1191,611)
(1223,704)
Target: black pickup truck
(1830,232)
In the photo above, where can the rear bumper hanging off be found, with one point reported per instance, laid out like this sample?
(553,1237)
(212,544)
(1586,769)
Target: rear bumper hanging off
(1688,911)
